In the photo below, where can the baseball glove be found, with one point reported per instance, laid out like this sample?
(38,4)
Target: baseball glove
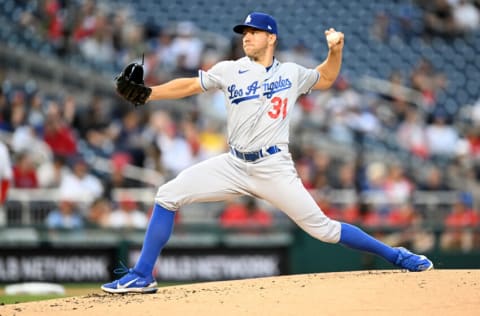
(130,85)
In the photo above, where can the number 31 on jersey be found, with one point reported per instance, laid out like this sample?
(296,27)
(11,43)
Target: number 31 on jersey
(279,106)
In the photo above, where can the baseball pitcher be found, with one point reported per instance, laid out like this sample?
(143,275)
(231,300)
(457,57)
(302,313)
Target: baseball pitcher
(260,93)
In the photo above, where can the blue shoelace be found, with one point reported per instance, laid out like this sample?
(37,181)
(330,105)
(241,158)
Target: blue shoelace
(123,269)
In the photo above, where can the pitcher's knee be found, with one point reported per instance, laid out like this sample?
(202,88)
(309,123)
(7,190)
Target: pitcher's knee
(167,200)
(321,227)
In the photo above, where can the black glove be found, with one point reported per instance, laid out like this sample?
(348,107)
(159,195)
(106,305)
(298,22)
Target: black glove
(130,85)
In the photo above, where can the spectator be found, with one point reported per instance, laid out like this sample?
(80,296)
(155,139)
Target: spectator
(411,134)
(69,109)
(6,176)
(408,232)
(54,23)
(92,124)
(341,109)
(434,181)
(346,177)
(305,173)
(211,104)
(245,215)
(370,216)
(161,45)
(128,136)
(51,173)
(363,122)
(403,216)
(117,179)
(99,143)
(381,26)
(323,165)
(212,141)
(474,113)
(473,139)
(428,81)
(25,138)
(85,186)
(36,116)
(65,216)
(176,153)
(86,23)
(462,217)
(187,48)
(99,213)
(374,190)
(439,19)
(398,99)
(24,175)
(119,21)
(466,16)
(4,112)
(99,47)
(191,134)
(375,177)
(57,134)
(398,188)
(96,116)
(441,138)
(127,216)
(324,202)
(351,213)
(18,109)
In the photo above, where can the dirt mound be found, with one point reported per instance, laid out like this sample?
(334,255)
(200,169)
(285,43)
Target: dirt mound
(437,292)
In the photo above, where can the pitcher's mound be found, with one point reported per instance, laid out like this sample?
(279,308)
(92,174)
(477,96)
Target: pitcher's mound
(382,292)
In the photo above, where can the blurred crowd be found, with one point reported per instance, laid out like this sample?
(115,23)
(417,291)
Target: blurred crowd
(444,18)
(54,137)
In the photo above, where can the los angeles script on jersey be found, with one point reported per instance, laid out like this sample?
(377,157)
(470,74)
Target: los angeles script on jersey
(238,94)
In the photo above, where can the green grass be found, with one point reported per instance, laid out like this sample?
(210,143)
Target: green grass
(71,289)
(14,299)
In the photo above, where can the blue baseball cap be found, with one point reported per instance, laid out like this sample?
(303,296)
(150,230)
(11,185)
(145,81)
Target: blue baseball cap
(258,20)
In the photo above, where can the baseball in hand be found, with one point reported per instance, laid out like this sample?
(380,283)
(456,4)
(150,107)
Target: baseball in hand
(333,38)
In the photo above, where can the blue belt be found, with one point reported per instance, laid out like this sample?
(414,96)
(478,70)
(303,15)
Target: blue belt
(254,155)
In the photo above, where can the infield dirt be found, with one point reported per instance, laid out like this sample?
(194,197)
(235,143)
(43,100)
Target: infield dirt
(382,292)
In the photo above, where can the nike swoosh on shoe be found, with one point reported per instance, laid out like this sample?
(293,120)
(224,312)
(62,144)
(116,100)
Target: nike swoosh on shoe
(126,285)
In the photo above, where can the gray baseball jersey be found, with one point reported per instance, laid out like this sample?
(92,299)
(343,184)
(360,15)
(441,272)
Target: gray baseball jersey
(259,103)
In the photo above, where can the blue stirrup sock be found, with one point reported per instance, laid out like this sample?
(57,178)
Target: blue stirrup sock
(158,232)
(353,237)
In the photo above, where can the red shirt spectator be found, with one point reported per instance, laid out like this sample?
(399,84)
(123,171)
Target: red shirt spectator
(462,214)
(325,204)
(462,218)
(55,24)
(59,136)
(87,23)
(351,213)
(24,174)
(402,216)
(245,215)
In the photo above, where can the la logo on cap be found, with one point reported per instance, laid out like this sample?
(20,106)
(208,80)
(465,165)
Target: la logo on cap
(248,19)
